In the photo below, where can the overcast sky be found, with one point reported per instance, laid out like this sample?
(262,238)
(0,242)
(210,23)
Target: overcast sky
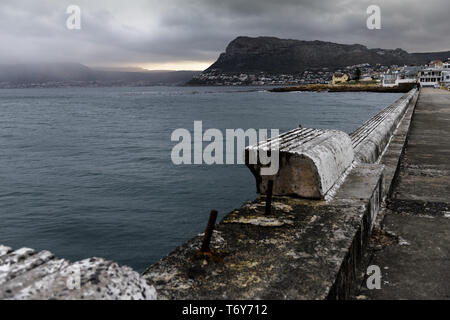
(190,34)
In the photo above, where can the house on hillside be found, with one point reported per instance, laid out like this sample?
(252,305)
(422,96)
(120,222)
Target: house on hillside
(390,79)
(436,64)
(446,65)
(339,78)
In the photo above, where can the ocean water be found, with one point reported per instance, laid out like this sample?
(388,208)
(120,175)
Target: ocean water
(87,171)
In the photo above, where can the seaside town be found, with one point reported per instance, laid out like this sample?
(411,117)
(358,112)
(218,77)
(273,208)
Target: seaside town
(434,74)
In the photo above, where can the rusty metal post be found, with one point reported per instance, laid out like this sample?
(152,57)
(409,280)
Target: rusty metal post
(269,197)
(209,231)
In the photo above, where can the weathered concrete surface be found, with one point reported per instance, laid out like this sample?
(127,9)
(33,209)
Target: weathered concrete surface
(371,139)
(304,250)
(310,162)
(416,263)
(26,274)
(425,171)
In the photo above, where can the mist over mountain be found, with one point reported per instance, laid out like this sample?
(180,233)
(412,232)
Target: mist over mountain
(42,72)
(243,55)
(75,74)
(275,56)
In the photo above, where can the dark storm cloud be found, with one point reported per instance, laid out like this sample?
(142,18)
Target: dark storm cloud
(139,32)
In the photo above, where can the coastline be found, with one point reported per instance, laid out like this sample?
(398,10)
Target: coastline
(346,88)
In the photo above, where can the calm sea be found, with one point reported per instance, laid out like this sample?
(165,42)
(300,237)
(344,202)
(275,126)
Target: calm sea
(87,171)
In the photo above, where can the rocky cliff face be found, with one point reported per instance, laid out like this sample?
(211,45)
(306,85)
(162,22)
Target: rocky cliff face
(273,55)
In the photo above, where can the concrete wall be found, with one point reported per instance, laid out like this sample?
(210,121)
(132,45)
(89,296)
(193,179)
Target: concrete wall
(370,140)
(310,162)
(303,249)
(313,161)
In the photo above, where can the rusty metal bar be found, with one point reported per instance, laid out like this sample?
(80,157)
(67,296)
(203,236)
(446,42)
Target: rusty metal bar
(209,231)
(269,197)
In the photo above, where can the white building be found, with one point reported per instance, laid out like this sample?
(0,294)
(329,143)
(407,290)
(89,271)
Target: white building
(402,76)
(390,79)
(446,78)
(409,75)
(431,77)
(446,74)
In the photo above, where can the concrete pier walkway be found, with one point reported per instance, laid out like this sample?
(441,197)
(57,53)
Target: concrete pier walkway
(415,264)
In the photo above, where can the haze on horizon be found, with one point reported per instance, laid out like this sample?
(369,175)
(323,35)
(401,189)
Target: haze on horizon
(189,35)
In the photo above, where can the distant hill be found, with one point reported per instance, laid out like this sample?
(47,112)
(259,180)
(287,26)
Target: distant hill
(274,55)
(37,72)
(430,56)
(121,69)
(74,74)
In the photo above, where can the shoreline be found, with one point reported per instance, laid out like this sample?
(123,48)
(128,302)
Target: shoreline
(345,88)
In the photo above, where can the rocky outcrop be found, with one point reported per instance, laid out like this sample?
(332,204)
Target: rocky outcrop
(274,56)
(26,274)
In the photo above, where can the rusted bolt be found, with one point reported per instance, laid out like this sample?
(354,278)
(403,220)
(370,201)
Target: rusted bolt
(269,197)
(209,231)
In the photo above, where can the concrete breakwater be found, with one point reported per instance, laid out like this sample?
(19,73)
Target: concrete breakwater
(416,223)
(309,247)
(304,248)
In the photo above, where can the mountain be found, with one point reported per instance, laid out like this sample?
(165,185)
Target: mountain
(121,69)
(75,74)
(273,55)
(44,72)
(426,57)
